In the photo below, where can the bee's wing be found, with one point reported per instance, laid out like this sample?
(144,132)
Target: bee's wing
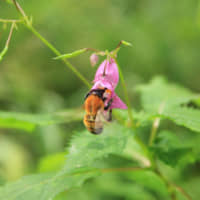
(99,119)
(108,115)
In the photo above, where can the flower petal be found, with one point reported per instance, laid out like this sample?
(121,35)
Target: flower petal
(108,69)
(117,102)
(103,83)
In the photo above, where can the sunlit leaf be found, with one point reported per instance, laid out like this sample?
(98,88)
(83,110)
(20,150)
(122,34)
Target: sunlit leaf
(52,162)
(165,100)
(115,139)
(160,92)
(84,152)
(43,186)
(188,117)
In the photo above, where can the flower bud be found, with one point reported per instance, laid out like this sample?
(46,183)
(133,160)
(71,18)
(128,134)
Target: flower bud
(94,59)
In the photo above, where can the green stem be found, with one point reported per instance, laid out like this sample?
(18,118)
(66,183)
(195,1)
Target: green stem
(154,131)
(10,20)
(125,94)
(4,51)
(29,25)
(155,125)
(182,191)
(57,53)
(169,185)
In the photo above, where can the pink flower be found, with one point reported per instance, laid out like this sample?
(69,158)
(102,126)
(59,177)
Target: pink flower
(107,76)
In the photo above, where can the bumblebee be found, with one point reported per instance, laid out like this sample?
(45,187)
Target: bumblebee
(96,111)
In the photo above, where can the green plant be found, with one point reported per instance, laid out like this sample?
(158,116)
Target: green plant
(90,156)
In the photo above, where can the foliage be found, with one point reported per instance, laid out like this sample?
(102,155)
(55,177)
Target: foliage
(170,150)
(28,122)
(147,154)
(86,152)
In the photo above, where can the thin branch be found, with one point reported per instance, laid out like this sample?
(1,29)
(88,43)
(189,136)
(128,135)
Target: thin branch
(10,34)
(182,191)
(168,184)
(49,45)
(155,125)
(18,7)
(4,51)
(11,20)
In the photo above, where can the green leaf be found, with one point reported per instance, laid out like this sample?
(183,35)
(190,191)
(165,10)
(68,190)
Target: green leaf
(141,118)
(183,116)
(151,181)
(3,52)
(28,122)
(115,139)
(70,55)
(170,150)
(164,100)
(126,43)
(160,92)
(52,163)
(43,186)
(84,152)
(110,186)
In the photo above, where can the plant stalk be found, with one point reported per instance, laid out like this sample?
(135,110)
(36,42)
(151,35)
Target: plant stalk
(155,125)
(126,95)
(29,25)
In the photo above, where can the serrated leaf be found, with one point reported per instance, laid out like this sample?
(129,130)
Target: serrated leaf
(170,150)
(28,122)
(159,92)
(43,186)
(110,186)
(164,100)
(115,139)
(84,151)
(188,117)
(141,118)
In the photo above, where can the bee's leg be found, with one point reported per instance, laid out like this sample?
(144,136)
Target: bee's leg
(110,115)
(86,96)
(108,105)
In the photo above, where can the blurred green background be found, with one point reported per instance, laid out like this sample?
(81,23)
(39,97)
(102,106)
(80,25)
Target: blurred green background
(166,41)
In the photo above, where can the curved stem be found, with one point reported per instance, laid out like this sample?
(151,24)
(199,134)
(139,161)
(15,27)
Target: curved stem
(155,125)
(11,20)
(3,52)
(57,53)
(183,192)
(29,25)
